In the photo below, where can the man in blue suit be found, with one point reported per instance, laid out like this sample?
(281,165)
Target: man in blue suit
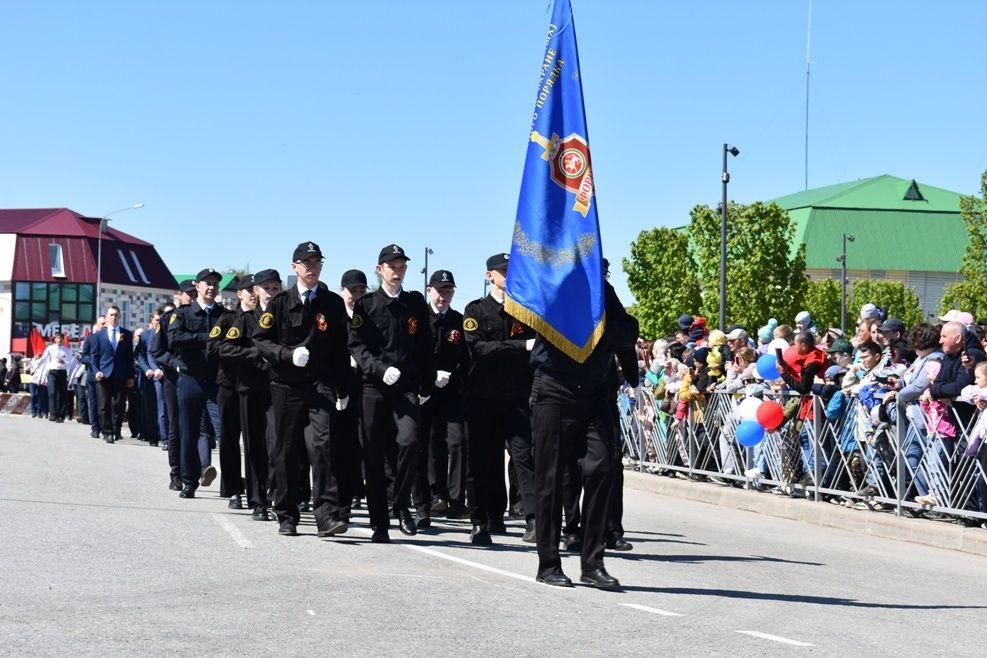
(113,362)
(92,399)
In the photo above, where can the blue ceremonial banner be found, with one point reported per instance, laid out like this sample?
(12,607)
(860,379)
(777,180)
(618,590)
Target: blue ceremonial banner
(555,277)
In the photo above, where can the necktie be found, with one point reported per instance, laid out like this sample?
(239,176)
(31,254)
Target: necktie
(113,337)
(309,294)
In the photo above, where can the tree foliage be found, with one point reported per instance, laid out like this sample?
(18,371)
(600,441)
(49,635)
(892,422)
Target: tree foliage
(661,275)
(971,294)
(822,301)
(764,278)
(899,300)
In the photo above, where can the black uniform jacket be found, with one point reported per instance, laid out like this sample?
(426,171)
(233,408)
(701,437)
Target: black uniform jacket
(237,353)
(188,331)
(450,348)
(499,367)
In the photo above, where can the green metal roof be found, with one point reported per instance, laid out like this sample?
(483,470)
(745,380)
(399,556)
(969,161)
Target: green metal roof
(892,232)
(225,281)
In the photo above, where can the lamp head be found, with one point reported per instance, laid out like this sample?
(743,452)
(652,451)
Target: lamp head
(734,151)
(849,238)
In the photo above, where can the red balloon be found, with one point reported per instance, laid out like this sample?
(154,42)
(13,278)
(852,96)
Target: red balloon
(770,415)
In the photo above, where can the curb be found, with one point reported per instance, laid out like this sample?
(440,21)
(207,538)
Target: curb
(14,404)
(875,524)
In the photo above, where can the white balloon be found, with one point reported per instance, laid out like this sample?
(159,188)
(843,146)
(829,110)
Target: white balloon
(747,409)
(777,344)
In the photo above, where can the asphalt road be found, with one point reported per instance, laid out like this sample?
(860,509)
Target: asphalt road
(98,557)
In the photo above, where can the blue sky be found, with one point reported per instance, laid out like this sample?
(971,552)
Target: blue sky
(247,127)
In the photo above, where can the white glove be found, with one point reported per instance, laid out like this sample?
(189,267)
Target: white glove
(529,344)
(422,399)
(391,375)
(341,403)
(300,357)
(442,378)
(352,361)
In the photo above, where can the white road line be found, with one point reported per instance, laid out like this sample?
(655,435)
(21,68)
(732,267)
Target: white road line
(311,612)
(776,638)
(232,531)
(657,611)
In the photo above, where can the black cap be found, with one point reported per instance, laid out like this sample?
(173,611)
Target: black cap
(265,275)
(441,279)
(186,285)
(685,321)
(892,324)
(606,266)
(306,250)
(391,252)
(498,261)
(353,278)
(207,273)
(245,282)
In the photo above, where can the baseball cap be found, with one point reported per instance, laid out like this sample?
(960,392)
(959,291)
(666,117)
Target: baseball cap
(684,321)
(441,279)
(203,274)
(868,310)
(737,334)
(391,252)
(266,275)
(840,345)
(352,278)
(833,371)
(498,261)
(186,285)
(306,250)
(245,282)
(892,324)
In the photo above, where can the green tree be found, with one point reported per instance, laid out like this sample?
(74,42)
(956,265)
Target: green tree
(764,277)
(899,300)
(822,301)
(661,275)
(971,294)
(237,271)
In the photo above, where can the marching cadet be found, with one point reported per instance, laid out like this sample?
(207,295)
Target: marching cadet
(228,400)
(252,385)
(352,286)
(497,390)
(441,485)
(302,334)
(188,331)
(392,344)
(571,416)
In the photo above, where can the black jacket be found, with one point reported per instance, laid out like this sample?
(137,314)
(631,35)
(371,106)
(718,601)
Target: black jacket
(449,345)
(498,355)
(226,373)
(188,332)
(237,353)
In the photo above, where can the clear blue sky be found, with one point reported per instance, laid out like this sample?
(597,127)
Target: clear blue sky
(247,127)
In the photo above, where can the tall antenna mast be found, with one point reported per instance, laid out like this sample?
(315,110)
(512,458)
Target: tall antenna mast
(808,65)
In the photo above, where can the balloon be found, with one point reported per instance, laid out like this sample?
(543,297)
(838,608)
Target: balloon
(749,433)
(747,409)
(778,344)
(767,367)
(770,415)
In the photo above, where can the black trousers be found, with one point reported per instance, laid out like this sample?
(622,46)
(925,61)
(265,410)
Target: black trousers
(112,404)
(490,424)
(569,424)
(304,417)
(230,474)
(390,423)
(348,446)
(572,489)
(254,406)
(57,393)
(442,457)
(149,410)
(174,431)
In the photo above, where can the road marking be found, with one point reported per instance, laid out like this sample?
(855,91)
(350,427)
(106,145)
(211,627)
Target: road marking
(311,612)
(776,638)
(232,531)
(458,560)
(657,611)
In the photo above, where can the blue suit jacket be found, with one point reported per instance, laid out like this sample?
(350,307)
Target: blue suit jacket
(117,364)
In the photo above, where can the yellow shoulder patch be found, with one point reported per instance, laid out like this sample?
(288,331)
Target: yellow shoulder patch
(233,333)
(357,321)
(215,331)
(470,324)
(173,318)
(266,321)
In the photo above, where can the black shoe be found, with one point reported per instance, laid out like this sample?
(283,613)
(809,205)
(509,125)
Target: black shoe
(867,490)
(438,505)
(406,524)
(153,444)
(480,536)
(458,511)
(529,533)
(424,521)
(600,579)
(109,438)
(236,502)
(187,492)
(164,445)
(497,527)
(619,544)
(517,512)
(208,475)
(333,528)
(380,536)
(260,514)
(94,435)
(287,528)
(555,580)
(572,543)
(176,484)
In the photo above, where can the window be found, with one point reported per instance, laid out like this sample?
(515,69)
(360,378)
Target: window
(57,264)
(67,303)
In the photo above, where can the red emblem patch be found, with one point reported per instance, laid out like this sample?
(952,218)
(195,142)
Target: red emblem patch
(412,326)
(320,322)
(454,337)
(516,329)
(569,166)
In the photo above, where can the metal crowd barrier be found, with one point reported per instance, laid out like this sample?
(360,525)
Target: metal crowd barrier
(819,459)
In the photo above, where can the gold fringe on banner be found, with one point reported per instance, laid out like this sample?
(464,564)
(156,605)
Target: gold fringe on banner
(563,344)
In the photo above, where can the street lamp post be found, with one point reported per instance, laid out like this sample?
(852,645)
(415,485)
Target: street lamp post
(734,151)
(842,259)
(99,248)
(424,270)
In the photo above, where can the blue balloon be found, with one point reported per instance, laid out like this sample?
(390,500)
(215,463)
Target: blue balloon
(749,433)
(767,367)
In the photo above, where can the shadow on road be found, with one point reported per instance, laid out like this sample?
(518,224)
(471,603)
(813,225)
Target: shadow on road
(796,598)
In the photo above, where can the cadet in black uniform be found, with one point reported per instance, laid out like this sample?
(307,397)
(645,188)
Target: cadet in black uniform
(228,398)
(352,286)
(498,386)
(441,485)
(572,413)
(392,344)
(188,331)
(302,334)
(186,293)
